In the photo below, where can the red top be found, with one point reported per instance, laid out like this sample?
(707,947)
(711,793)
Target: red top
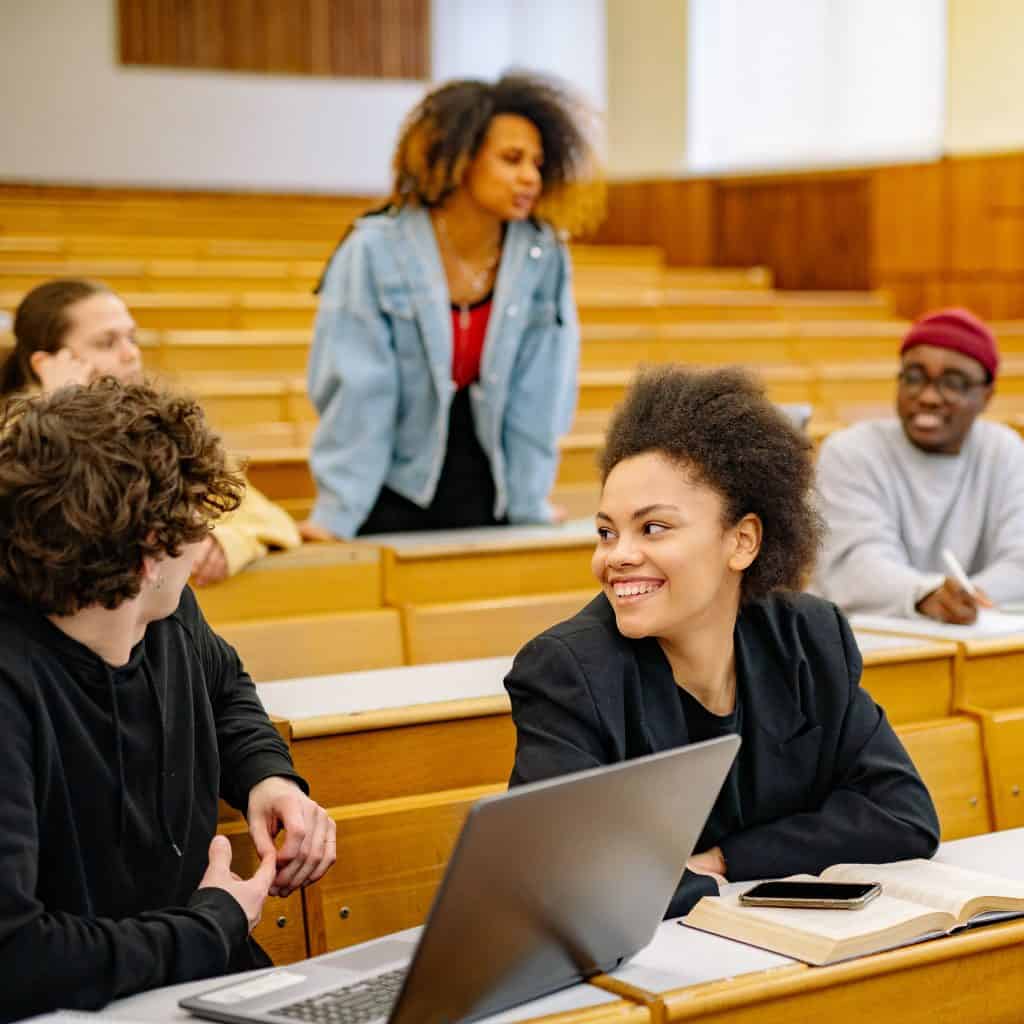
(468,330)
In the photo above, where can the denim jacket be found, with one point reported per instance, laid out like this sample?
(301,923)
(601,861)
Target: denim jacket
(380,370)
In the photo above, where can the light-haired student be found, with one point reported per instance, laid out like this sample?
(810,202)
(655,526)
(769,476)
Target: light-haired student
(71,331)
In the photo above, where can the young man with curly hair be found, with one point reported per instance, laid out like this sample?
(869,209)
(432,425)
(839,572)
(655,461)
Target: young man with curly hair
(704,533)
(123,717)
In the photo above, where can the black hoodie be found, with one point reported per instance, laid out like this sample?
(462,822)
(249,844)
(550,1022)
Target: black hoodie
(109,779)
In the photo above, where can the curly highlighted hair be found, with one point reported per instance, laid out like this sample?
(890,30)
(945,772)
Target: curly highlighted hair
(95,479)
(718,426)
(445,130)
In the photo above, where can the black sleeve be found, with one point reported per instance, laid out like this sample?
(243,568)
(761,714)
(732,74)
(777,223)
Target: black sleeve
(558,730)
(50,960)
(557,726)
(877,810)
(250,747)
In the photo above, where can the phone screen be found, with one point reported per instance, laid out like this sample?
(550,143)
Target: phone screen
(810,890)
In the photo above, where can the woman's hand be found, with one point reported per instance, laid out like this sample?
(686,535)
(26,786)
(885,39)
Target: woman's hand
(211,564)
(310,531)
(710,862)
(59,369)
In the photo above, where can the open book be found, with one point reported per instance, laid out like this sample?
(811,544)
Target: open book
(920,899)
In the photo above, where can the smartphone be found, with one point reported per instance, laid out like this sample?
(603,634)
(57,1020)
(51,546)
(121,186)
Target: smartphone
(819,895)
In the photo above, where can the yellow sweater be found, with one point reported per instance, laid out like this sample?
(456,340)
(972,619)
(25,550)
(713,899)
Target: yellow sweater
(256,525)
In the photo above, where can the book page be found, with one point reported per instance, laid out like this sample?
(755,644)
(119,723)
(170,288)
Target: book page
(879,915)
(931,884)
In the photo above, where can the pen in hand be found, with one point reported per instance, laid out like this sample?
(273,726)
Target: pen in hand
(956,570)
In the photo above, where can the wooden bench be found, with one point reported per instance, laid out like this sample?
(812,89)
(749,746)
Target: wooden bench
(307,645)
(486,563)
(949,755)
(455,630)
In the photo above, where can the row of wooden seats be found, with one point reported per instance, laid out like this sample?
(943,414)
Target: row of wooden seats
(291,309)
(26,270)
(399,782)
(483,565)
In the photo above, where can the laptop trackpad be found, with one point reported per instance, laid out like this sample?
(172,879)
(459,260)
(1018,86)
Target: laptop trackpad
(377,955)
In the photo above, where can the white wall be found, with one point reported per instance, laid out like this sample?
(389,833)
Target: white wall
(646,88)
(796,83)
(69,113)
(986,76)
(478,38)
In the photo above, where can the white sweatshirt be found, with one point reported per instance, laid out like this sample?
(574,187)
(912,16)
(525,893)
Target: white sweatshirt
(891,508)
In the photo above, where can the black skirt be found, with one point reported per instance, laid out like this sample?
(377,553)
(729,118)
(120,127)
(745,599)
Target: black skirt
(465,490)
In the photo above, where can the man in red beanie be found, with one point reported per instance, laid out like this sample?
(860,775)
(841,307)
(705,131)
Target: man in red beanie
(897,494)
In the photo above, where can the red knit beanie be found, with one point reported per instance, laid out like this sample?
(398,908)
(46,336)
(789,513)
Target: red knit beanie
(956,329)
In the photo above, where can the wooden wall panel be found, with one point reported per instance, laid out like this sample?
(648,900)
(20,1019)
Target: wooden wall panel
(355,38)
(813,231)
(987,214)
(909,230)
(949,232)
(676,215)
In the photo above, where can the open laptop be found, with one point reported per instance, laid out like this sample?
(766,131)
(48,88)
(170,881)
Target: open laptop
(549,884)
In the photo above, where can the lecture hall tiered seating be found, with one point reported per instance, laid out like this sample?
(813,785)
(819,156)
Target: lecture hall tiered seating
(397,747)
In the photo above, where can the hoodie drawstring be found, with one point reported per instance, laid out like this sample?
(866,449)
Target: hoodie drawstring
(161,760)
(119,756)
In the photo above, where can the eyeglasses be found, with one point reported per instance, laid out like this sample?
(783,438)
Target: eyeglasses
(952,385)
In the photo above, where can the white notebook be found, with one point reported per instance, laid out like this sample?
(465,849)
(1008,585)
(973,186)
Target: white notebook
(990,623)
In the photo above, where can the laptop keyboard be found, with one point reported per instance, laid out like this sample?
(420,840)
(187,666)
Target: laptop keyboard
(358,1003)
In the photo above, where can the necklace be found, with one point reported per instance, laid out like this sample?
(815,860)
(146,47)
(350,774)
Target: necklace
(473,280)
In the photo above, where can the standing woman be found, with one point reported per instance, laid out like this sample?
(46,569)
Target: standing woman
(706,530)
(444,359)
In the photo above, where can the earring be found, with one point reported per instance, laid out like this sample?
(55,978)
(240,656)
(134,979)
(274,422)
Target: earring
(158,583)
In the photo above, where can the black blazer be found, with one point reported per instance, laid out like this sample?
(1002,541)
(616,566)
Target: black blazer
(822,777)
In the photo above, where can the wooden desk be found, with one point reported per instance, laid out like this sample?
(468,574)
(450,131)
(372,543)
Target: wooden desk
(992,672)
(991,669)
(490,562)
(398,756)
(912,679)
(392,733)
(973,976)
(310,580)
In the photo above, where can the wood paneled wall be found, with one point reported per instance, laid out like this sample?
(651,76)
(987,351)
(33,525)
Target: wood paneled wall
(809,229)
(941,233)
(353,38)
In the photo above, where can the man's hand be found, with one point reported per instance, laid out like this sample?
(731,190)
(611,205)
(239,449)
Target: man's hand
(951,603)
(250,894)
(59,369)
(211,564)
(710,862)
(310,845)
